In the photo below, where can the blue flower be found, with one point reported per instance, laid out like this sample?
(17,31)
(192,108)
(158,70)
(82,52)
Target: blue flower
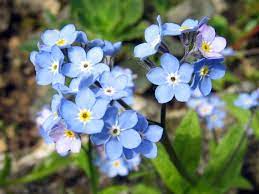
(216,119)
(65,140)
(153,37)
(113,88)
(206,70)
(150,134)
(111,49)
(189,25)
(48,66)
(246,101)
(118,133)
(172,79)
(63,38)
(113,168)
(81,37)
(83,63)
(85,115)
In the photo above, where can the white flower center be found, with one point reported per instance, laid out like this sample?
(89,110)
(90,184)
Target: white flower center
(86,66)
(54,67)
(173,78)
(109,91)
(115,131)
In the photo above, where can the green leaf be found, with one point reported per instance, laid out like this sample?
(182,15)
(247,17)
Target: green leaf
(114,190)
(140,189)
(5,171)
(167,171)
(255,124)
(29,45)
(242,183)
(187,141)
(49,166)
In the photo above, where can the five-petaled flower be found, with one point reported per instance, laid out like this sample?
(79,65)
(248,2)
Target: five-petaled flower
(85,115)
(118,132)
(48,66)
(206,70)
(209,44)
(172,79)
(63,38)
(83,63)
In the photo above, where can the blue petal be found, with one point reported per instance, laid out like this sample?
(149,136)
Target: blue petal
(93,126)
(119,95)
(58,78)
(85,98)
(129,153)
(171,29)
(50,37)
(130,138)
(164,93)
(148,149)
(182,92)
(113,149)
(95,55)
(151,33)
(99,138)
(56,54)
(56,100)
(120,82)
(217,71)
(110,116)
(153,133)
(45,135)
(190,23)
(157,76)
(99,108)
(81,37)
(205,86)
(69,33)
(44,77)
(144,50)
(71,69)
(142,123)
(86,81)
(128,119)
(43,59)
(76,54)
(185,72)
(169,63)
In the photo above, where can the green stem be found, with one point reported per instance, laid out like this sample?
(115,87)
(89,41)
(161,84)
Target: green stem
(92,169)
(170,149)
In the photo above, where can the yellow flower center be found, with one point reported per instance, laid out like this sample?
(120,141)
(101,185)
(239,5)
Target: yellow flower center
(84,115)
(116,163)
(206,47)
(61,42)
(69,134)
(54,67)
(204,71)
(182,28)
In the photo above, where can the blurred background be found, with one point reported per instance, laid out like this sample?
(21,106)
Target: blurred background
(30,163)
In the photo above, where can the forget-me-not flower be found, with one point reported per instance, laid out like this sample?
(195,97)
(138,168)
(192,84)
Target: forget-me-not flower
(118,132)
(65,140)
(209,44)
(216,119)
(85,115)
(246,101)
(83,63)
(150,134)
(206,70)
(63,38)
(48,66)
(112,88)
(172,79)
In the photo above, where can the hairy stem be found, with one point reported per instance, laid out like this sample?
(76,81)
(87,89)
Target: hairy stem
(170,149)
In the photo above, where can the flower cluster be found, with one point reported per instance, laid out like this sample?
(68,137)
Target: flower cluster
(248,101)
(209,108)
(89,99)
(177,78)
